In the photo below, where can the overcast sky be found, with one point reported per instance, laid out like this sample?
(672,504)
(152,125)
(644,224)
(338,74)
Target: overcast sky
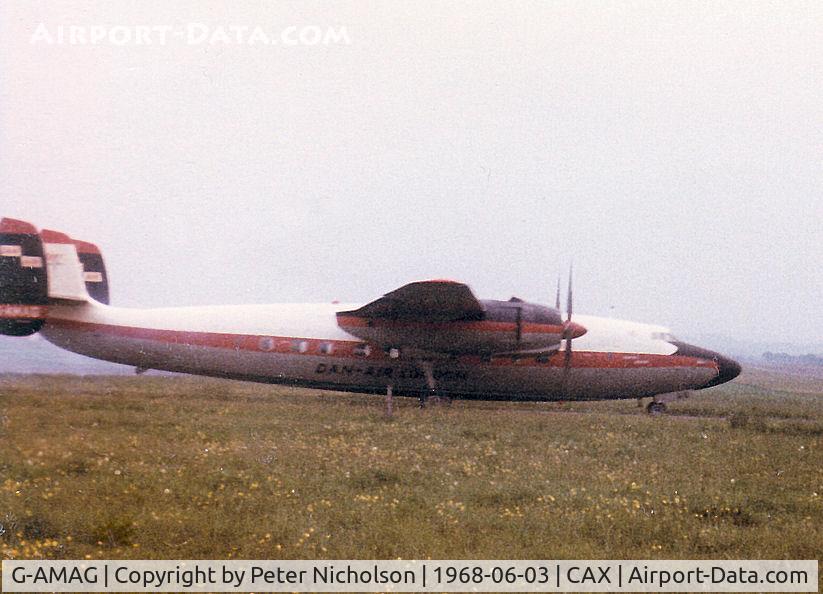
(673,150)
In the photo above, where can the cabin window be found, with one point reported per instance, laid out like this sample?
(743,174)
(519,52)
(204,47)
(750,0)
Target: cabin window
(266,343)
(362,350)
(326,348)
(299,346)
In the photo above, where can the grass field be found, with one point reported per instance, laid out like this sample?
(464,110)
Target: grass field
(177,467)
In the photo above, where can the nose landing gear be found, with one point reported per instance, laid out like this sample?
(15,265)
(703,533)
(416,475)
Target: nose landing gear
(658,404)
(656,408)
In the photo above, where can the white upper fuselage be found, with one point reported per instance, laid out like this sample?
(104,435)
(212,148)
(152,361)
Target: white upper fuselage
(318,321)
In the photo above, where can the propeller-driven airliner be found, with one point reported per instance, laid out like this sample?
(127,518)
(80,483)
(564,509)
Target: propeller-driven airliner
(431,337)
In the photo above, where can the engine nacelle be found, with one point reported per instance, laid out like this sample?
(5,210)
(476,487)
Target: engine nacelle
(504,327)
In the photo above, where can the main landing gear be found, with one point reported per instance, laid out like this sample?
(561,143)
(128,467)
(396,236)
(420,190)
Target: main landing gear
(431,384)
(658,404)
(431,388)
(389,400)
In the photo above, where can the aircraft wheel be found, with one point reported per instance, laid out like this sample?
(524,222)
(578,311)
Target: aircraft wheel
(656,408)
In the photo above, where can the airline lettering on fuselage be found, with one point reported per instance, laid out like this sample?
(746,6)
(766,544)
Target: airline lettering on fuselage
(387,372)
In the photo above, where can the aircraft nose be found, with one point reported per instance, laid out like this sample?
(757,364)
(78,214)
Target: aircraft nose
(727,368)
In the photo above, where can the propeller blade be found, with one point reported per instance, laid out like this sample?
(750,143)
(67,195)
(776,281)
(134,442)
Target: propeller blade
(569,297)
(567,366)
(557,295)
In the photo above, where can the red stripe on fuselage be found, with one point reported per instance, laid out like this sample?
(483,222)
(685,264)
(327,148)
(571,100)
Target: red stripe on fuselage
(346,348)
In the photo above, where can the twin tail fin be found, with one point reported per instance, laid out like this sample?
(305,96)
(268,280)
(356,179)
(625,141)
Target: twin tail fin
(43,268)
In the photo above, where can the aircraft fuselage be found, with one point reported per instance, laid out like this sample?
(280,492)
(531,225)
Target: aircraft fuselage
(303,345)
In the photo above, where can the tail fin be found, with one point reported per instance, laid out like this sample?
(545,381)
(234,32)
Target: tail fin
(23,281)
(75,268)
(94,270)
(39,269)
(65,273)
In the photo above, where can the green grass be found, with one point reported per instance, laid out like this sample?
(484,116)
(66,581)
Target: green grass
(176,467)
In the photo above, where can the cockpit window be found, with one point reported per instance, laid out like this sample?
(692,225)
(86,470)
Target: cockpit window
(667,336)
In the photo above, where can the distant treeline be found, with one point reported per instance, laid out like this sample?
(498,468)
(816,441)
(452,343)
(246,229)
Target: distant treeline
(807,359)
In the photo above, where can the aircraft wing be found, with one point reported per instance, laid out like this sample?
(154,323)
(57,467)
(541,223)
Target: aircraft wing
(444,317)
(422,301)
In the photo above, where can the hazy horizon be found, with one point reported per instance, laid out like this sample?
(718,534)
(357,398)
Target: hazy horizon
(672,150)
